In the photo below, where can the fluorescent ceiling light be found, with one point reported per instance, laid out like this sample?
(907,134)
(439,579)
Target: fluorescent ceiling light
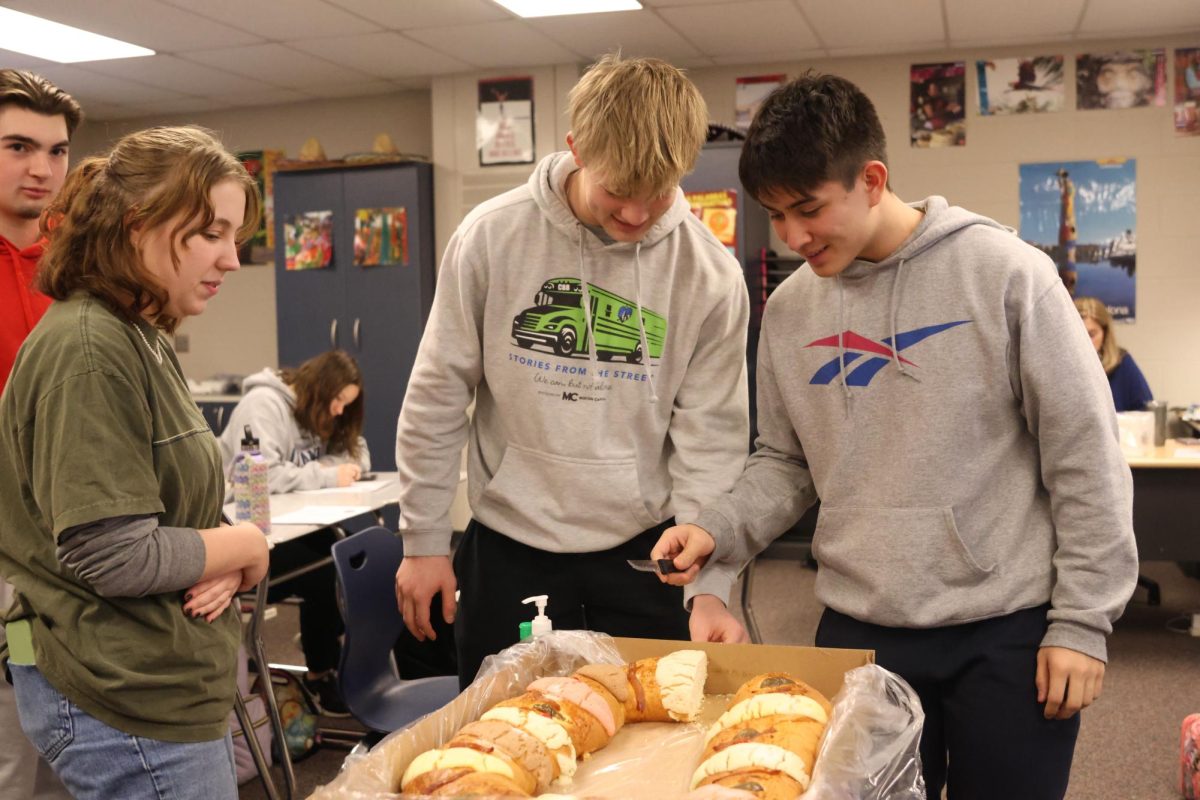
(53,41)
(558,8)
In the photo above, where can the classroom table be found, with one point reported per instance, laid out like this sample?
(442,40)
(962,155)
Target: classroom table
(1166,502)
(327,508)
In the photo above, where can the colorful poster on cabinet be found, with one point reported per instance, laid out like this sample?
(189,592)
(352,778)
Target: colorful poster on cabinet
(1083,214)
(380,236)
(1124,79)
(937,104)
(308,240)
(504,122)
(749,95)
(1020,85)
(1187,91)
(718,211)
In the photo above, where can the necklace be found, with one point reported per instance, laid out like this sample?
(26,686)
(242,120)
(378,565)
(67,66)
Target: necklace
(155,351)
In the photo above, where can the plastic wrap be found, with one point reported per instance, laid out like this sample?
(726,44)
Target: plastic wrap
(870,750)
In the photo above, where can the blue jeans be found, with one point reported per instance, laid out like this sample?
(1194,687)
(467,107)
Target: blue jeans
(98,762)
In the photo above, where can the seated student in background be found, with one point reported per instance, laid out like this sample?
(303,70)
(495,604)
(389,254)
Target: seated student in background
(1129,388)
(308,422)
(122,644)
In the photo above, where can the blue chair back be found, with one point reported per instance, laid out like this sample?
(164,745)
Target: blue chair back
(374,691)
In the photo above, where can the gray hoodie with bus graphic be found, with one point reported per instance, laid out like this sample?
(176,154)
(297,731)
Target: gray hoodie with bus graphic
(948,410)
(594,419)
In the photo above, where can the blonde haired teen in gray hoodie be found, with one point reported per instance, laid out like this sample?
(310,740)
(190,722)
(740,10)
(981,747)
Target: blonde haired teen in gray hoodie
(579,443)
(926,378)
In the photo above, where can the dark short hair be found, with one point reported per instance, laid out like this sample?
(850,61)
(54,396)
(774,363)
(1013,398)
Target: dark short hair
(813,129)
(23,89)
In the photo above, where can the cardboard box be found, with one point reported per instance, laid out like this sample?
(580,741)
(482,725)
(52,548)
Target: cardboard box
(646,759)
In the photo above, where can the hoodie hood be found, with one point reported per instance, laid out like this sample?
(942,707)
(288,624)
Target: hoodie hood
(939,220)
(269,379)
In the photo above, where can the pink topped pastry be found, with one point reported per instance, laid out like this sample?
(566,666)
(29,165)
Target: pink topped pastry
(576,691)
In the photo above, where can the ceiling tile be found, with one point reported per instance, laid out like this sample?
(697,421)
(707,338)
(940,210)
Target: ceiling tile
(495,44)
(736,29)
(402,14)
(1123,17)
(13,60)
(384,54)
(148,23)
(871,23)
(668,3)
(272,98)
(277,64)
(278,20)
(356,89)
(85,85)
(769,58)
(170,72)
(636,33)
(190,105)
(1011,21)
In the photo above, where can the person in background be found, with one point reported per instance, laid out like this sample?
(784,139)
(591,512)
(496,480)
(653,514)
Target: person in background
(600,330)
(926,379)
(1130,392)
(37,120)
(308,422)
(123,631)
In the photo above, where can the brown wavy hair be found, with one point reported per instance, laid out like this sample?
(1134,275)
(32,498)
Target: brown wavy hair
(24,89)
(317,382)
(151,178)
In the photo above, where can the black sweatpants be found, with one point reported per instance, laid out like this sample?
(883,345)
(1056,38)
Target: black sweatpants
(320,622)
(976,684)
(594,591)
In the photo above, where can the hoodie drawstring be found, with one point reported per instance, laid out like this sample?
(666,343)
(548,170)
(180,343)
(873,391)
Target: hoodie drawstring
(585,298)
(637,296)
(895,304)
(842,343)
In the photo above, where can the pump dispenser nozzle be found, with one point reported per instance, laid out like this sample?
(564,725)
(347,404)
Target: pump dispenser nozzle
(541,623)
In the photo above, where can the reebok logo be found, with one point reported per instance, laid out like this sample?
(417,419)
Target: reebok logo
(876,353)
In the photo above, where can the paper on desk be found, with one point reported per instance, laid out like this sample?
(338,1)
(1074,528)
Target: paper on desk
(357,486)
(319,515)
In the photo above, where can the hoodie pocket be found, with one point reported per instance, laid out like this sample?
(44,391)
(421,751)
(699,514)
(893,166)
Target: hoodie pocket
(542,490)
(905,567)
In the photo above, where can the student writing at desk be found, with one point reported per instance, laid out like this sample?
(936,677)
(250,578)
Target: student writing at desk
(110,505)
(1129,388)
(308,422)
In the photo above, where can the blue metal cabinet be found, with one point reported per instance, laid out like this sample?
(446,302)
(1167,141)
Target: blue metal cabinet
(377,313)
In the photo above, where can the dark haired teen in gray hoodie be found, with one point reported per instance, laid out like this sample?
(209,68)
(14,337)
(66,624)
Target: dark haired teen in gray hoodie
(926,377)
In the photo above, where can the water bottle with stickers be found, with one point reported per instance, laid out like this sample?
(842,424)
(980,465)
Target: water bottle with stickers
(251,493)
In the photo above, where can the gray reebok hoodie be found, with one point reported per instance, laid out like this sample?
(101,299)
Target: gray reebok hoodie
(574,448)
(959,433)
(296,458)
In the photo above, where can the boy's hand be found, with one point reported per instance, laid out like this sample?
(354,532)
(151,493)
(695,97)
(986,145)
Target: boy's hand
(418,579)
(1067,681)
(689,546)
(712,622)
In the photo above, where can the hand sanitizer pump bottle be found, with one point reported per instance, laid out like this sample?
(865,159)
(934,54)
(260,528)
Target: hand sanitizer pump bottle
(541,623)
(251,493)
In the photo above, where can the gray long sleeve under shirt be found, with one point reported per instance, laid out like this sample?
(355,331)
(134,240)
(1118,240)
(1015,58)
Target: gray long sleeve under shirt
(133,556)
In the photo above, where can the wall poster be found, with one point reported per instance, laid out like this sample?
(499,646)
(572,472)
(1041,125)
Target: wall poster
(308,240)
(504,122)
(749,94)
(718,211)
(1124,79)
(1020,85)
(380,236)
(1083,214)
(937,104)
(1187,91)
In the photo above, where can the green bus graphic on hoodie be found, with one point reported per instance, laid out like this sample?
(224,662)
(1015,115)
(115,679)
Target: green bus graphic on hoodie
(558,322)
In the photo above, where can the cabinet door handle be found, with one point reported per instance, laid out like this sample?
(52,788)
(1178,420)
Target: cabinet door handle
(357,342)
(333,334)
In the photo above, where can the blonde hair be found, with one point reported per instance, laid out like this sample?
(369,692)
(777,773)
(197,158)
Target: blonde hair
(639,122)
(1093,309)
(150,178)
